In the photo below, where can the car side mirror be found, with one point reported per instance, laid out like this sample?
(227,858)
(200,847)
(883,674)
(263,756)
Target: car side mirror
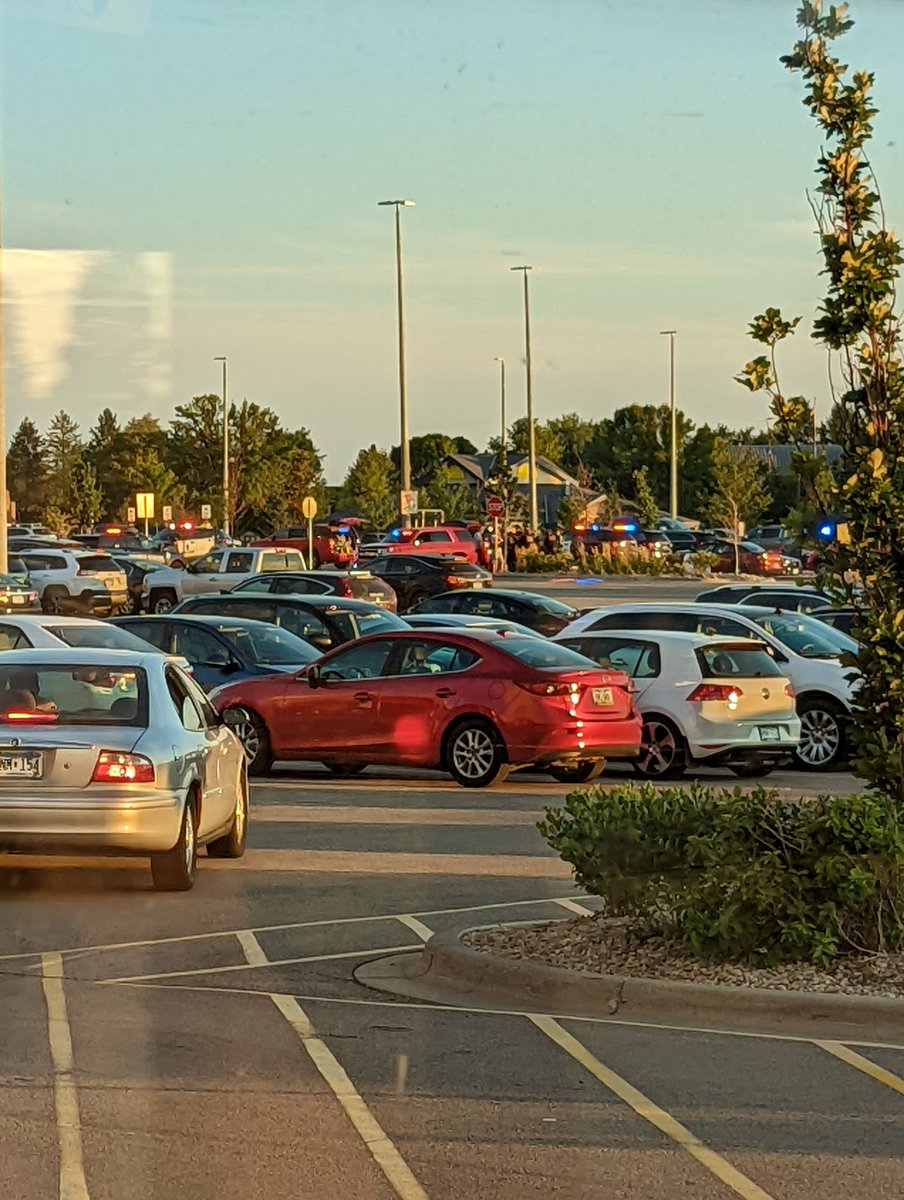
(312,674)
(322,641)
(235,717)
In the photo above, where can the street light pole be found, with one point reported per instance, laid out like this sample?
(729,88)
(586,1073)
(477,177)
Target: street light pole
(531,432)
(222,358)
(405,446)
(4,561)
(503,450)
(673,446)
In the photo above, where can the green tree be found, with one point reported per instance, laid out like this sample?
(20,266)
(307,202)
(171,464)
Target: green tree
(142,470)
(858,325)
(644,500)
(547,441)
(455,499)
(26,471)
(371,487)
(62,449)
(638,435)
(739,490)
(87,502)
(575,435)
(429,452)
(195,451)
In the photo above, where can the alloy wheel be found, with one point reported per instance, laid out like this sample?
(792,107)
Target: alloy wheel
(473,753)
(658,749)
(820,737)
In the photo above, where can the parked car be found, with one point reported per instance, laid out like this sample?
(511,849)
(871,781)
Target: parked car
(135,759)
(330,545)
(774,537)
(540,613)
(466,621)
(681,539)
(749,558)
(16,596)
(17,570)
(438,539)
(222,649)
(216,571)
(414,577)
(136,571)
(81,582)
(794,599)
(703,700)
(352,585)
(19,631)
(475,704)
(847,620)
(809,653)
(324,621)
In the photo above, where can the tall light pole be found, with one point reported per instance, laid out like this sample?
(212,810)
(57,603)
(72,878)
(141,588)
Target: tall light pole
(405,447)
(673,441)
(4,562)
(222,358)
(531,432)
(503,449)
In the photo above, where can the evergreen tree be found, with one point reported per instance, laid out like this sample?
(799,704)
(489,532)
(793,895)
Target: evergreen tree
(26,471)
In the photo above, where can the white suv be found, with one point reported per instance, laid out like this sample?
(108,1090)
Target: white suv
(808,652)
(81,583)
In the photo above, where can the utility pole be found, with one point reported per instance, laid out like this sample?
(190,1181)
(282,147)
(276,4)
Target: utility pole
(673,440)
(405,445)
(531,431)
(222,358)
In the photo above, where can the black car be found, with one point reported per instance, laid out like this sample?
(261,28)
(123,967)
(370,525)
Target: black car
(682,539)
(792,599)
(135,571)
(414,577)
(351,585)
(848,620)
(223,649)
(540,613)
(324,621)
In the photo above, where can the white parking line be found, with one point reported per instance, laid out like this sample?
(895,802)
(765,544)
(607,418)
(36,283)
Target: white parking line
(424,932)
(73,1185)
(580,909)
(382,1149)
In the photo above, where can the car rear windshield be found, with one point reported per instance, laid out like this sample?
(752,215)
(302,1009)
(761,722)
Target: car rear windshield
(98,637)
(725,660)
(42,694)
(535,652)
(268,644)
(546,604)
(95,562)
(378,621)
(362,586)
(807,636)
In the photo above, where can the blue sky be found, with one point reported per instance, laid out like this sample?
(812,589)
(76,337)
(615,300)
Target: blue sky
(187,178)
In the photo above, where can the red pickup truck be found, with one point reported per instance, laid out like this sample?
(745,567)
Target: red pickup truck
(330,546)
(434,539)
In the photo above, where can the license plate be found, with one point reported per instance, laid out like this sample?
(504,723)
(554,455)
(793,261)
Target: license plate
(770,733)
(18,599)
(21,766)
(602,697)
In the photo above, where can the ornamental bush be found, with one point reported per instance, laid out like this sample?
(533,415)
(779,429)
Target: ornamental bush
(745,876)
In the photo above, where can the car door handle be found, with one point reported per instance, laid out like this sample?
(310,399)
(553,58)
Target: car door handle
(444,692)
(363,697)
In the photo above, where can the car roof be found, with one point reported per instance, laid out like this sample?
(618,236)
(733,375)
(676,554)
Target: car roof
(660,635)
(82,656)
(744,610)
(212,619)
(305,601)
(42,619)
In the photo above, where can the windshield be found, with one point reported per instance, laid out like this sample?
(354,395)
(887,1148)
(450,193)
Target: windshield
(537,652)
(807,636)
(98,637)
(40,694)
(269,645)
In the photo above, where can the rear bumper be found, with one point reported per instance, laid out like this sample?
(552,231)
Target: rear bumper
(714,741)
(127,822)
(595,739)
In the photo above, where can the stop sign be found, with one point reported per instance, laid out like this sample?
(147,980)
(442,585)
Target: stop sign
(495,506)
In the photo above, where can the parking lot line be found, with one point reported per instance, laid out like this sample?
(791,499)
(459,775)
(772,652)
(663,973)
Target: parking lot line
(73,1185)
(424,932)
(574,907)
(381,1147)
(853,1059)
(739,1183)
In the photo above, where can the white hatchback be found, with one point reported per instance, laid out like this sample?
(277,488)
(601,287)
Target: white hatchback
(713,700)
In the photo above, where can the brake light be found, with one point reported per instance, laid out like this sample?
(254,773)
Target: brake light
(29,716)
(113,767)
(347,589)
(539,688)
(789,691)
(716,691)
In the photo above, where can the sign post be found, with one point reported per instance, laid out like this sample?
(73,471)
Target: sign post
(495,507)
(407,503)
(309,512)
(130,515)
(144,507)
(206,512)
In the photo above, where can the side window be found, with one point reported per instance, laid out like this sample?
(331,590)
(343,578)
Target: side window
(272,561)
(239,562)
(296,532)
(295,587)
(210,564)
(725,626)
(199,645)
(158,633)
(293,561)
(187,710)
(367,660)
(683,622)
(432,658)
(12,638)
(304,624)
(280,533)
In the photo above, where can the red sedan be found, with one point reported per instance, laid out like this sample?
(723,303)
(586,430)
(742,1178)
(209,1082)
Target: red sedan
(752,559)
(474,704)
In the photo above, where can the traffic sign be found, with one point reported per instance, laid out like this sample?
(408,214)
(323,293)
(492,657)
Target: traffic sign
(206,512)
(144,505)
(407,503)
(309,508)
(130,515)
(167,513)
(495,506)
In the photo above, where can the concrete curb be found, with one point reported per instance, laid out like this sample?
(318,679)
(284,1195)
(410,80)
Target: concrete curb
(449,969)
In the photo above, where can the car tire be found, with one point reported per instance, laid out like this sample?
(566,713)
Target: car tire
(174,870)
(581,772)
(475,754)
(345,770)
(162,600)
(255,738)
(663,751)
(53,600)
(754,768)
(232,844)
(823,734)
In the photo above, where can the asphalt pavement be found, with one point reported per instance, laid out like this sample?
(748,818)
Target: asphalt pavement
(215,1044)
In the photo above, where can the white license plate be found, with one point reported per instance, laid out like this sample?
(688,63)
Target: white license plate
(18,599)
(602,697)
(770,733)
(21,766)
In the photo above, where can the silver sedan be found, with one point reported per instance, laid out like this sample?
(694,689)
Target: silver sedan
(117,752)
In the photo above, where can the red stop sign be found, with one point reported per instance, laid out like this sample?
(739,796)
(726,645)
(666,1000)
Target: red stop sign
(495,506)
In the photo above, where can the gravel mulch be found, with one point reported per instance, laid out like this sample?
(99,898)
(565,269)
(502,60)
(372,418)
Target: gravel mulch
(603,945)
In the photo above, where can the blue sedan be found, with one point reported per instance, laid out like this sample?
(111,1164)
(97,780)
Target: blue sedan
(222,649)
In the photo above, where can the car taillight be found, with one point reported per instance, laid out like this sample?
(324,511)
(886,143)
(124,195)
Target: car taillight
(716,691)
(347,589)
(28,716)
(539,688)
(789,691)
(113,767)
